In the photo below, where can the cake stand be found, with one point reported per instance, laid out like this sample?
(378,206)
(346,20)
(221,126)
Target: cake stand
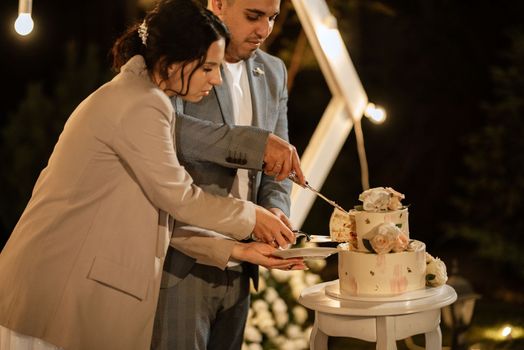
(383,321)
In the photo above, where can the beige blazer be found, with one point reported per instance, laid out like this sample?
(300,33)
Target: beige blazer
(82,267)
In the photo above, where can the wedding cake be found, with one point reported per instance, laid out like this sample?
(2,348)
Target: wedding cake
(376,255)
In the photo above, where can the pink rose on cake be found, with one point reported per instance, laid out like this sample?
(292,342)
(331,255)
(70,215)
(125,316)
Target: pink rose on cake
(380,243)
(401,242)
(436,273)
(381,199)
(385,238)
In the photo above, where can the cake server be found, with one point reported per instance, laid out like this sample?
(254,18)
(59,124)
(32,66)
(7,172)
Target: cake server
(292,176)
(312,238)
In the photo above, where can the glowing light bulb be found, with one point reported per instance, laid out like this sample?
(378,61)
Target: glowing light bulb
(24,23)
(376,114)
(506,331)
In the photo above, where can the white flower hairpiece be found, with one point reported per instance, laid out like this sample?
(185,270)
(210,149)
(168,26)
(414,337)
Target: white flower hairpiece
(142,32)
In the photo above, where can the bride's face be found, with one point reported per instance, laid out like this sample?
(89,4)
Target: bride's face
(203,78)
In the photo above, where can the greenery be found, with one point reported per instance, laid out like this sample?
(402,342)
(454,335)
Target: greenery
(490,199)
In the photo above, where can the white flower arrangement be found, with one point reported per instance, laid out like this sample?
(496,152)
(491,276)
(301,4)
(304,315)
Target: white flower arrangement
(436,272)
(276,320)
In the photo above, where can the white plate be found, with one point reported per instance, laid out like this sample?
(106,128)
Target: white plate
(306,253)
(333,291)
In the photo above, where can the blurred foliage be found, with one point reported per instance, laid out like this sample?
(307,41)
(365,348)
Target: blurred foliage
(491,204)
(30,133)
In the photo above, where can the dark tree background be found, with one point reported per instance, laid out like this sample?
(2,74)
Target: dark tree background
(449,73)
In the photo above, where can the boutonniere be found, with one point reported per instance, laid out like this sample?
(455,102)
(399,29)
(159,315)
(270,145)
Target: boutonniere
(258,71)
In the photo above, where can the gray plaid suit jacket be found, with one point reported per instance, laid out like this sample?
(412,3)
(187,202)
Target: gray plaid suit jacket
(211,148)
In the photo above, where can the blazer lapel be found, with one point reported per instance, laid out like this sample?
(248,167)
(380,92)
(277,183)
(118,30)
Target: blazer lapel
(257,82)
(258,86)
(224,99)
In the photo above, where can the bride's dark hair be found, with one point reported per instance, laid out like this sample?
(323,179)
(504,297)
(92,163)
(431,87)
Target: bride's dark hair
(178,31)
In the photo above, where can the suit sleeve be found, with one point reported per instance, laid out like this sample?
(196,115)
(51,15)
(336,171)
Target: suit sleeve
(143,139)
(272,193)
(206,250)
(227,145)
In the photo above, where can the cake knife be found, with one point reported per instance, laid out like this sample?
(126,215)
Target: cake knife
(293,177)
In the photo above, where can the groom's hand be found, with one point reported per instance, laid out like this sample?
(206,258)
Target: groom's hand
(281,158)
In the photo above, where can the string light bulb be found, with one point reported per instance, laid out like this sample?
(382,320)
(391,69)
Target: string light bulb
(376,114)
(24,23)
(506,332)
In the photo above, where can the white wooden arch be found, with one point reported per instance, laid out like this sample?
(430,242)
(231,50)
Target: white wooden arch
(346,107)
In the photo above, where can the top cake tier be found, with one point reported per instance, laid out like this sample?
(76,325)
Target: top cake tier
(381,214)
(360,224)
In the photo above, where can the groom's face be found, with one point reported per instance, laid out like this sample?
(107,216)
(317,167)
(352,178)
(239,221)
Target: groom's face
(250,23)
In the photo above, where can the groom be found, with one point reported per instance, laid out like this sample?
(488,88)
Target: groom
(204,298)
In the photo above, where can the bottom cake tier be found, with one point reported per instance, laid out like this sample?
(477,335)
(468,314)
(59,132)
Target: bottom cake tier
(368,274)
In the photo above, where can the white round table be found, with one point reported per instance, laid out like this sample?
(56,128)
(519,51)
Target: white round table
(383,322)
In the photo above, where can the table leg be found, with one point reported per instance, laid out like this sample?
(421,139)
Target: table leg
(318,339)
(434,339)
(386,333)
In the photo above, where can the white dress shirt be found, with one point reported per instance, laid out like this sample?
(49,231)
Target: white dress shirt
(238,84)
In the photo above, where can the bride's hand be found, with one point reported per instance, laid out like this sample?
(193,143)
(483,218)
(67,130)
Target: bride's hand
(261,254)
(270,229)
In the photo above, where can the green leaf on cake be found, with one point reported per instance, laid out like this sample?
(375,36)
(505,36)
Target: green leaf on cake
(430,277)
(398,225)
(368,246)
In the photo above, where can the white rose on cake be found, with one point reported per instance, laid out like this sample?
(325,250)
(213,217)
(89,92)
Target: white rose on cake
(381,199)
(395,198)
(375,199)
(436,273)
